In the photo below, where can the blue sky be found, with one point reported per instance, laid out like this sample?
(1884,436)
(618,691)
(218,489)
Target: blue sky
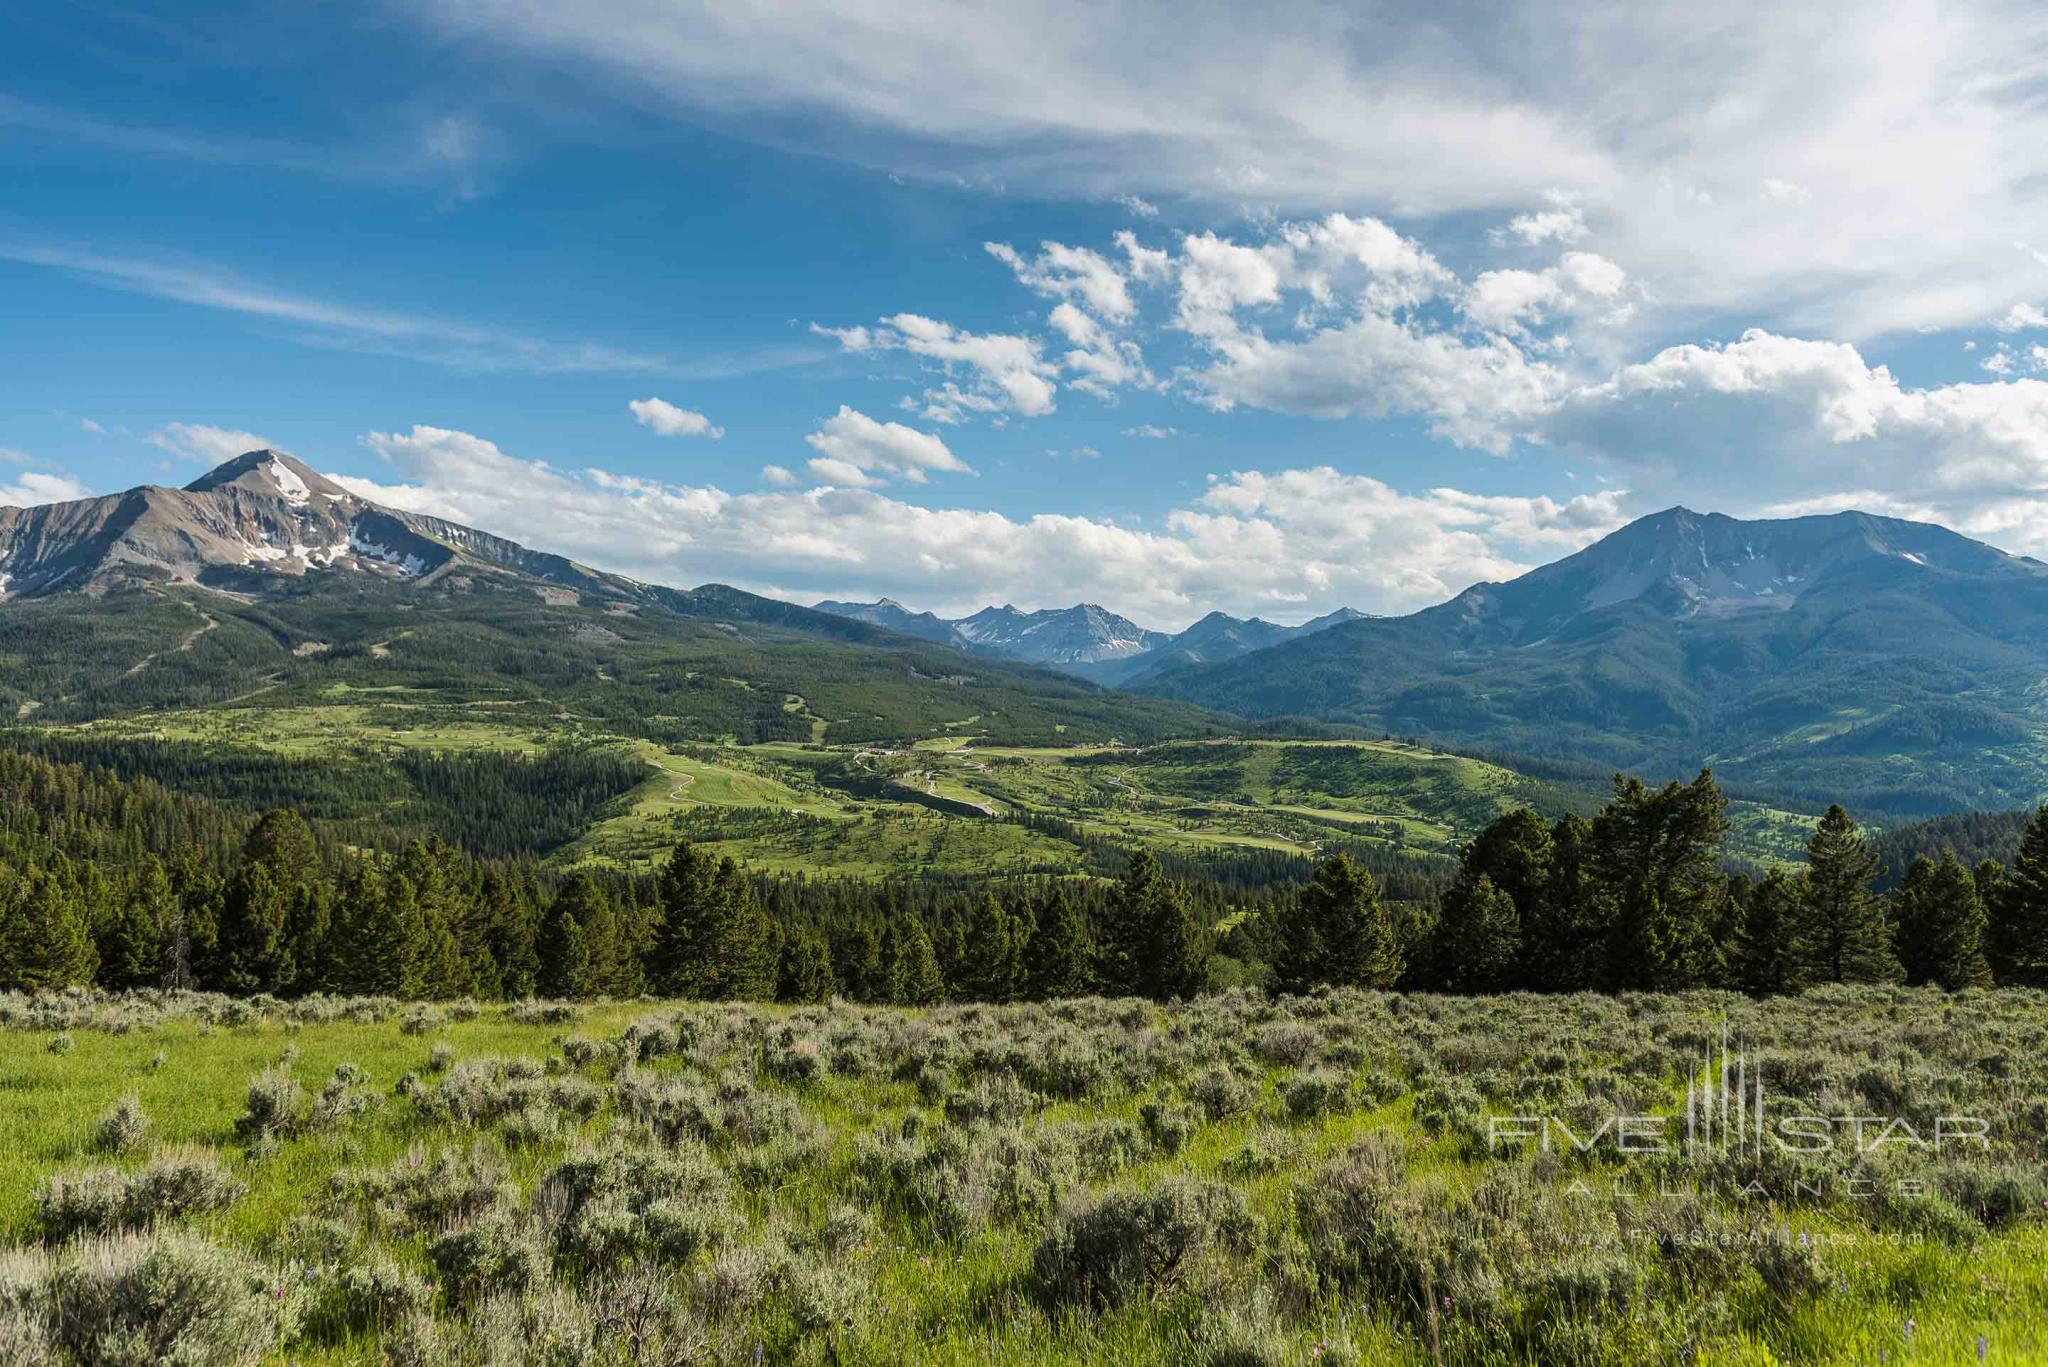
(1147,305)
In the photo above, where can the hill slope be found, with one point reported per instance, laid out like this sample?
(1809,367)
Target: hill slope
(1893,664)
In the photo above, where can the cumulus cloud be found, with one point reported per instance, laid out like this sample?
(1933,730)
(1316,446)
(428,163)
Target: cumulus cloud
(1785,421)
(1515,301)
(199,441)
(1476,392)
(1564,223)
(33,487)
(1289,544)
(2023,318)
(671,421)
(1004,372)
(854,450)
(1063,272)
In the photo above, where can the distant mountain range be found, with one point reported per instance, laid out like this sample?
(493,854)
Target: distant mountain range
(1895,666)
(262,583)
(1085,639)
(1891,663)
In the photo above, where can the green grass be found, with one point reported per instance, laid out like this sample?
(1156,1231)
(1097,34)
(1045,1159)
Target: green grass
(971,1297)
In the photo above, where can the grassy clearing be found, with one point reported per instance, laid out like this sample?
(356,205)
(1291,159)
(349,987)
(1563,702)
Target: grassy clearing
(1087,1182)
(1290,797)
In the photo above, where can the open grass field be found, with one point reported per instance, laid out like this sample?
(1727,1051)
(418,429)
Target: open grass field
(1234,1181)
(952,805)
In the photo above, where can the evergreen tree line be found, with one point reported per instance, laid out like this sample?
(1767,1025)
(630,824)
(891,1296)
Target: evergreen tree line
(1638,898)
(494,804)
(127,886)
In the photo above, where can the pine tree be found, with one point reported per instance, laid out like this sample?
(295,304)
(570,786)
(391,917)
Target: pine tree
(282,842)
(255,952)
(1769,956)
(988,956)
(131,942)
(1479,938)
(436,969)
(564,960)
(1845,933)
(914,976)
(45,937)
(1940,925)
(191,940)
(1656,868)
(370,954)
(1060,956)
(509,928)
(1359,948)
(712,939)
(2018,936)
(309,931)
(679,961)
(1152,946)
(440,965)
(862,972)
(806,970)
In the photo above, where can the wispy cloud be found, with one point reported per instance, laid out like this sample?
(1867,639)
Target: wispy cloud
(446,152)
(423,337)
(204,442)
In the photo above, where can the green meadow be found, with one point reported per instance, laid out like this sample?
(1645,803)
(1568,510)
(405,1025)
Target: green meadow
(1238,1180)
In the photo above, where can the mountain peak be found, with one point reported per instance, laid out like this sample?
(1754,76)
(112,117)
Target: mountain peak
(271,472)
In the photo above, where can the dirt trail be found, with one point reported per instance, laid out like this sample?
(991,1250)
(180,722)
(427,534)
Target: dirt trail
(207,623)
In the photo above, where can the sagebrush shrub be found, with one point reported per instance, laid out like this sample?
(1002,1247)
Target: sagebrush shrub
(275,1108)
(1169,1125)
(1132,1243)
(123,1128)
(421,1020)
(102,1200)
(426,1189)
(491,1256)
(1317,1092)
(374,1296)
(166,1298)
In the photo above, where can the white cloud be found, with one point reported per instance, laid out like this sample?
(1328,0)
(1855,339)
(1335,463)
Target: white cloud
(1918,141)
(777,475)
(852,448)
(671,421)
(198,441)
(2023,318)
(377,331)
(88,425)
(1099,361)
(1564,223)
(1775,421)
(1479,393)
(1141,207)
(1063,272)
(1513,301)
(1005,372)
(32,487)
(1151,431)
(843,473)
(1289,544)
